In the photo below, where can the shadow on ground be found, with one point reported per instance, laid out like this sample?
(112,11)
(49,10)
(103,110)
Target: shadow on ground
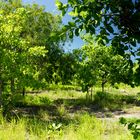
(41,111)
(61,109)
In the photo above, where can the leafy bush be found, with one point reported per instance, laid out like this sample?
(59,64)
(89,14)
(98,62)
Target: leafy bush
(113,101)
(7,105)
(133,126)
(106,100)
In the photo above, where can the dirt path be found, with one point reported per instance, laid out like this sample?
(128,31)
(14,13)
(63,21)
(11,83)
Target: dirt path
(128,115)
(133,112)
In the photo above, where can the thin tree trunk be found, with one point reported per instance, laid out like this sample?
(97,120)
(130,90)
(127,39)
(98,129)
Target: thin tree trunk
(23,92)
(1,92)
(12,85)
(104,81)
(87,95)
(91,92)
(103,86)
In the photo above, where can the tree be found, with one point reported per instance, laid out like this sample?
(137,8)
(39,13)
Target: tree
(112,21)
(16,51)
(137,73)
(100,65)
(67,68)
(85,75)
(27,38)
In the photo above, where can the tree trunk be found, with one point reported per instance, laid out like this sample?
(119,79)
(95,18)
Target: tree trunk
(23,92)
(87,95)
(91,92)
(103,86)
(12,85)
(1,92)
(104,81)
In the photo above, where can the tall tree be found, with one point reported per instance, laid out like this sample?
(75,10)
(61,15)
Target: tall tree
(112,21)
(100,65)
(28,34)
(85,75)
(67,68)
(16,51)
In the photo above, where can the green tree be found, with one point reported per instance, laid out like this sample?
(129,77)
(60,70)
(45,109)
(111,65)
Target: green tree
(85,75)
(67,68)
(28,39)
(16,51)
(112,21)
(100,65)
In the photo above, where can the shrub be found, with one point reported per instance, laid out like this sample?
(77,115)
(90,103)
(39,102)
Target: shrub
(133,126)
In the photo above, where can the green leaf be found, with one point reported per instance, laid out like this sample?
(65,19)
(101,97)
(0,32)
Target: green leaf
(84,14)
(109,28)
(130,125)
(71,34)
(77,32)
(59,4)
(95,16)
(63,12)
(123,121)
(133,43)
(73,13)
(125,47)
(135,135)
(81,26)
(101,42)
(92,29)
(64,28)
(72,24)
(106,39)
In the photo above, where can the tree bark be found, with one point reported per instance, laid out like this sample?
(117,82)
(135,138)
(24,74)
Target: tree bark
(12,85)
(91,92)
(103,86)
(1,89)
(87,95)
(104,81)
(23,92)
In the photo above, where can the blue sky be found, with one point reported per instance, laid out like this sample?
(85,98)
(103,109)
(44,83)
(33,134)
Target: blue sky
(50,7)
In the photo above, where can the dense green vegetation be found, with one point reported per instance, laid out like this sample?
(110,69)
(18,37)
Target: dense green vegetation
(47,93)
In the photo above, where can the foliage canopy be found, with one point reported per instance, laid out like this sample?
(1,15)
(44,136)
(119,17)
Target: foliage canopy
(112,21)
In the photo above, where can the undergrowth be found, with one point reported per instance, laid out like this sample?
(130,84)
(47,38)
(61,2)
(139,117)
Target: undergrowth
(82,127)
(64,115)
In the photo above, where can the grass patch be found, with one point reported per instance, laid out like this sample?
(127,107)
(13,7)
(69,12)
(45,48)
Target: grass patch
(83,126)
(64,115)
(114,101)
